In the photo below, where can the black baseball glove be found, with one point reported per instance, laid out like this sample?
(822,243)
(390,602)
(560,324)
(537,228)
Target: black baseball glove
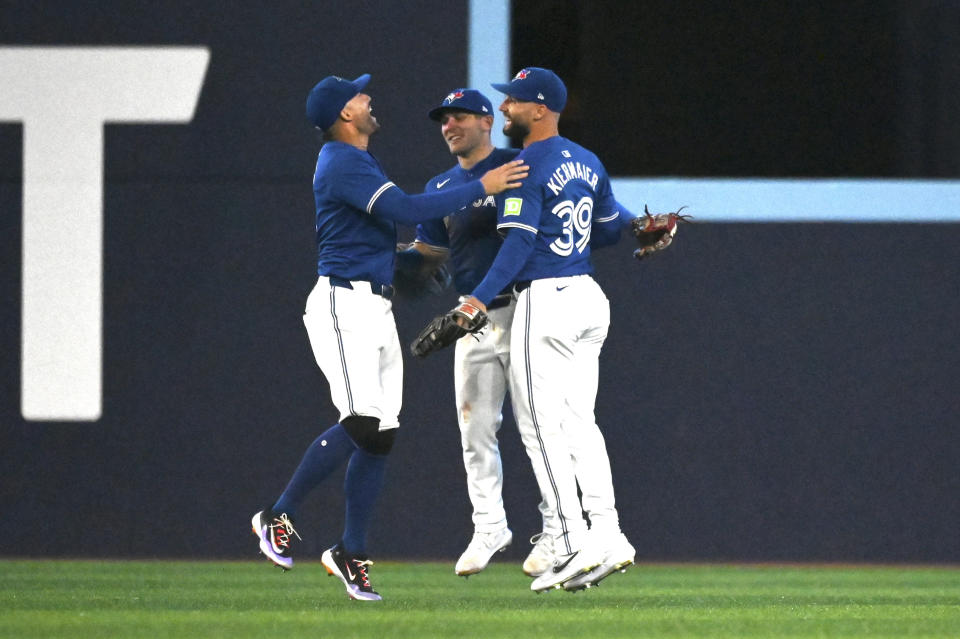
(655,232)
(422,284)
(416,277)
(444,330)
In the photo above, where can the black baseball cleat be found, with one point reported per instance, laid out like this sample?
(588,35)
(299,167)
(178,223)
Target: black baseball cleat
(352,571)
(276,533)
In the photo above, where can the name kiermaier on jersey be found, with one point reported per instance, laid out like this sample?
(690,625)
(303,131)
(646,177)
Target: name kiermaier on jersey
(572,171)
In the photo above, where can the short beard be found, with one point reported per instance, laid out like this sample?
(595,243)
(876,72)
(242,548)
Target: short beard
(368,125)
(516,131)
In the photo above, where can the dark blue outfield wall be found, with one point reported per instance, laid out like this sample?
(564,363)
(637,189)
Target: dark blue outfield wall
(768,392)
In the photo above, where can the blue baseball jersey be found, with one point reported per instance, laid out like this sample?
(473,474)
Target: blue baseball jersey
(471,234)
(352,243)
(567,189)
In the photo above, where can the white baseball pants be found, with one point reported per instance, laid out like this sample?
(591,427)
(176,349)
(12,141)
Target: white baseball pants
(354,338)
(558,329)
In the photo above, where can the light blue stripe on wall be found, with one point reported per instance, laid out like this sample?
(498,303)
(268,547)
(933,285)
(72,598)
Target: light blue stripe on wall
(727,199)
(489,54)
(795,200)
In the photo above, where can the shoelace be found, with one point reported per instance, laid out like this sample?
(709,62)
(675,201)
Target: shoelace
(542,547)
(283,528)
(362,569)
(540,539)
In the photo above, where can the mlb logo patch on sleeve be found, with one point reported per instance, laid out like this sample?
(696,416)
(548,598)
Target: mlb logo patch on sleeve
(512,205)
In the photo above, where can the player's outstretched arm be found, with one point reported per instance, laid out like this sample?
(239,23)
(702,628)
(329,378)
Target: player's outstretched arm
(394,204)
(511,257)
(398,206)
(607,227)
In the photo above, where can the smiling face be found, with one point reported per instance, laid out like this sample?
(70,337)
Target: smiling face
(464,132)
(360,113)
(517,117)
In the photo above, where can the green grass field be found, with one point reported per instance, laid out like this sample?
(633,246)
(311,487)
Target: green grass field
(79,599)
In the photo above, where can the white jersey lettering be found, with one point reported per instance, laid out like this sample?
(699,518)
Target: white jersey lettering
(572,171)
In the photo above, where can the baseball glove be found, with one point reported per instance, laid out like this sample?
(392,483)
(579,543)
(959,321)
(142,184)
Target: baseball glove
(422,284)
(416,277)
(444,330)
(655,232)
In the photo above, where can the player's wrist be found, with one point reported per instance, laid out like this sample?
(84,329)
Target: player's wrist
(469,302)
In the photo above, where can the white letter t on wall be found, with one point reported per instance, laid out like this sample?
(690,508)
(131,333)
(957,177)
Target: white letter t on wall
(63,96)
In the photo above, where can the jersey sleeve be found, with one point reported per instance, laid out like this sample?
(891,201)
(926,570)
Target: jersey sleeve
(605,208)
(609,217)
(393,204)
(359,182)
(362,184)
(520,208)
(434,233)
(513,254)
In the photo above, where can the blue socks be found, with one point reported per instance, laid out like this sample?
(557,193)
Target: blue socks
(361,485)
(323,456)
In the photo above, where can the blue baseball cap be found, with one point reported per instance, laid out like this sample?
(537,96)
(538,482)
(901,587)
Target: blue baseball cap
(328,97)
(469,100)
(534,84)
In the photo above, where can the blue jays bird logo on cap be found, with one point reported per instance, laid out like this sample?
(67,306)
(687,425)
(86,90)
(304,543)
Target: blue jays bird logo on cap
(533,84)
(466,100)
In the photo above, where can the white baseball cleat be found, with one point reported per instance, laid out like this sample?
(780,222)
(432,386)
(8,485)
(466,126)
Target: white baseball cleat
(541,557)
(617,555)
(481,549)
(565,568)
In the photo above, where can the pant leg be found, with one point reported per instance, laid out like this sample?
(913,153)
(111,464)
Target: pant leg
(354,340)
(391,371)
(480,380)
(588,449)
(542,358)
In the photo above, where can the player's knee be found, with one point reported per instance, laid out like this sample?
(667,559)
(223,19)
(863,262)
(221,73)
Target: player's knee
(366,434)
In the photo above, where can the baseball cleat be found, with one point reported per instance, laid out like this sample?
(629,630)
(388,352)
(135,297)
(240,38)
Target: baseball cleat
(275,533)
(541,557)
(617,556)
(352,571)
(565,568)
(481,549)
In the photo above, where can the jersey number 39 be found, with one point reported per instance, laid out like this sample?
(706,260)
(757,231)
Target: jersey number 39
(576,226)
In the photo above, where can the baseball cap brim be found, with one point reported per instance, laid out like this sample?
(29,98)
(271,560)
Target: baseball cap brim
(361,82)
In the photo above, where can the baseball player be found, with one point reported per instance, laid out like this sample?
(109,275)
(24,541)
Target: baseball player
(470,240)
(559,327)
(349,320)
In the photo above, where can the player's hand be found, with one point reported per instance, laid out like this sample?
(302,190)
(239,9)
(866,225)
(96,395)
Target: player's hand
(465,303)
(506,176)
(444,330)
